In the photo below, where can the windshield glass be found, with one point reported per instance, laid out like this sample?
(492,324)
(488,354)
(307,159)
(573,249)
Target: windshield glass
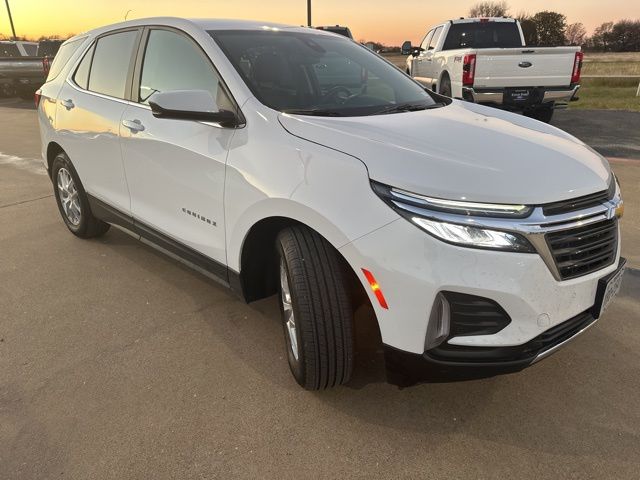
(317,74)
(483,35)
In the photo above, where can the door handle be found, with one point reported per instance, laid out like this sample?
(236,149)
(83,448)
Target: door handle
(133,125)
(68,104)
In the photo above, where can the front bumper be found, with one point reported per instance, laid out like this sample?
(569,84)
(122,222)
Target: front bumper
(412,268)
(539,96)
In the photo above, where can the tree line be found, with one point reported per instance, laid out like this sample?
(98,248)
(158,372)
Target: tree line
(548,29)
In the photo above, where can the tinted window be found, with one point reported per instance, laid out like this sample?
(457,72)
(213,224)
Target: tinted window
(110,64)
(483,35)
(318,74)
(63,56)
(81,76)
(174,62)
(30,49)
(434,40)
(9,50)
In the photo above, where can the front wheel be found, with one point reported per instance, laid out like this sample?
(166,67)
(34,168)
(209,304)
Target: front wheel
(316,309)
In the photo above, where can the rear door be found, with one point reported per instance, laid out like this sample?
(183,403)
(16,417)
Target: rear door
(176,168)
(89,111)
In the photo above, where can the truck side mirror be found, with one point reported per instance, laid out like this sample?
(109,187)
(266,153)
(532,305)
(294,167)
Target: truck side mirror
(406,48)
(415,51)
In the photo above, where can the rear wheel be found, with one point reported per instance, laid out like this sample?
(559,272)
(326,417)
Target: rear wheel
(445,86)
(544,114)
(72,200)
(316,309)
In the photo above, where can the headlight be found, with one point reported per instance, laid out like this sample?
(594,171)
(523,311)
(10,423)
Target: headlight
(468,236)
(427,213)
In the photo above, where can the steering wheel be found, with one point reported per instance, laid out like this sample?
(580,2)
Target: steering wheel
(334,94)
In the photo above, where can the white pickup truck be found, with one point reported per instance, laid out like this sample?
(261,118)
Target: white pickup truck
(486,60)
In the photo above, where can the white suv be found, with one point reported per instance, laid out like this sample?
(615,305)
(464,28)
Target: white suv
(291,160)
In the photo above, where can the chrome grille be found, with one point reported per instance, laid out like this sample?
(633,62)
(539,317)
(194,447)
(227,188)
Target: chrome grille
(580,251)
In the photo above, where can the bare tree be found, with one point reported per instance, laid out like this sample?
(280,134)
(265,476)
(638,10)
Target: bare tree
(576,34)
(489,9)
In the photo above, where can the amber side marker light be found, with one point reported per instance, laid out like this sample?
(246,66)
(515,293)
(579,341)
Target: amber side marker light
(375,288)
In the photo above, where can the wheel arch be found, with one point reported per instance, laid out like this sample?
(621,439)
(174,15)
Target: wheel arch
(53,150)
(258,274)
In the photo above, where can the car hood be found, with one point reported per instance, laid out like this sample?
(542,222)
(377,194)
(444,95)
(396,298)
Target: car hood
(463,151)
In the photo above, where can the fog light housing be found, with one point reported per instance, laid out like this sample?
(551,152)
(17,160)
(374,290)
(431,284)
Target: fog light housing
(439,322)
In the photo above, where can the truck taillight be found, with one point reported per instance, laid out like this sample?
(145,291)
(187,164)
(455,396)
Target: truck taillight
(577,67)
(468,69)
(46,65)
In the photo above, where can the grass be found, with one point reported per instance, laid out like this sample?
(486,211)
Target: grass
(608,94)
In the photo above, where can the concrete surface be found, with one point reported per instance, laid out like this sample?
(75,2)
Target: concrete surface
(120,363)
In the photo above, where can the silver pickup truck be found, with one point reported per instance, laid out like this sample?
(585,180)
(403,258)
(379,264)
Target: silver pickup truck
(20,74)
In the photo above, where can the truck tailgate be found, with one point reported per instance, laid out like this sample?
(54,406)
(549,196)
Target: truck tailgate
(524,67)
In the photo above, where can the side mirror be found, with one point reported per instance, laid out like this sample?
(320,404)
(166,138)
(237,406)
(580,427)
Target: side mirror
(415,51)
(190,105)
(406,48)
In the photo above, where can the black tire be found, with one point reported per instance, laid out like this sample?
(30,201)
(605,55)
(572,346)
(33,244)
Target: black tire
(445,86)
(544,114)
(87,225)
(321,306)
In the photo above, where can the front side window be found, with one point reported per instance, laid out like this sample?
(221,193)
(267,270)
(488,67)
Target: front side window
(174,62)
(317,74)
(110,65)
(425,43)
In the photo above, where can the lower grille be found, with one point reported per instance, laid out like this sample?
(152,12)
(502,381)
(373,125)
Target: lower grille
(463,354)
(473,315)
(580,251)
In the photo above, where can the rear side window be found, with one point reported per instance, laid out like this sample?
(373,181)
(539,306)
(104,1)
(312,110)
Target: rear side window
(81,77)
(483,35)
(9,50)
(174,62)
(30,50)
(110,64)
(62,57)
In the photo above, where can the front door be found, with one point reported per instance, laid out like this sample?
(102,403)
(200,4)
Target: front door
(176,168)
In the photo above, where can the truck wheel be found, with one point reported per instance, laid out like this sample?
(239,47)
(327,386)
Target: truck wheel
(316,309)
(445,86)
(72,200)
(544,114)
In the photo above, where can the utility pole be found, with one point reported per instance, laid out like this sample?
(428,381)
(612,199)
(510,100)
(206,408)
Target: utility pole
(13,30)
(308,12)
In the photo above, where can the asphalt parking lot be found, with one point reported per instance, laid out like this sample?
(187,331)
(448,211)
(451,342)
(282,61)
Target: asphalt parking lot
(118,362)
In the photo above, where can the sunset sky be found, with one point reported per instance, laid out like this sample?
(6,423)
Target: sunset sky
(389,22)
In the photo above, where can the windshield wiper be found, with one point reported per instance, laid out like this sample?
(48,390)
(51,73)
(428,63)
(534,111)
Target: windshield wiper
(408,107)
(319,112)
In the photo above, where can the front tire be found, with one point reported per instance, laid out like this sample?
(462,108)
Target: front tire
(316,309)
(72,200)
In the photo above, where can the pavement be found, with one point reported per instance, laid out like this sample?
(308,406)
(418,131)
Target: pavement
(119,363)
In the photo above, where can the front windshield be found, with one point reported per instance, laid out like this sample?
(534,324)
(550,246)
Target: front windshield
(319,74)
